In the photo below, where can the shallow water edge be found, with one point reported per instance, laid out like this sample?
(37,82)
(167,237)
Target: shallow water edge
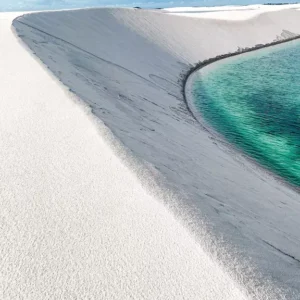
(188,80)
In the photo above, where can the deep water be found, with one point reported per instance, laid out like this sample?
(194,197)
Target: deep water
(253,100)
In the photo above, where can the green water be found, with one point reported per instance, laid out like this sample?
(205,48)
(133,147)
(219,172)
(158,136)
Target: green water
(253,100)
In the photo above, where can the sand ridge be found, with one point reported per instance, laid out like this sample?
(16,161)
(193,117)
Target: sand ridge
(138,96)
(75,222)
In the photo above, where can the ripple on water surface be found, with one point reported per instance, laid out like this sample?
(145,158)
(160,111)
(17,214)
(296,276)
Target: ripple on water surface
(253,100)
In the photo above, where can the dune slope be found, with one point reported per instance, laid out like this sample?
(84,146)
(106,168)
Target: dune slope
(75,223)
(126,64)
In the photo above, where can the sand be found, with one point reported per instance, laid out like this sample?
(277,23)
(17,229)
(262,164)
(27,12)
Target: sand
(168,213)
(75,222)
(232,13)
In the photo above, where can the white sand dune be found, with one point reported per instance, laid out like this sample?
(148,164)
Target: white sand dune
(78,223)
(228,12)
(75,222)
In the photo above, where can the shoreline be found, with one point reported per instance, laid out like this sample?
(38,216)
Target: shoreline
(187,94)
(201,64)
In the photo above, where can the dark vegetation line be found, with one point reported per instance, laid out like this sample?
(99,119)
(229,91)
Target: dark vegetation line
(282,3)
(185,76)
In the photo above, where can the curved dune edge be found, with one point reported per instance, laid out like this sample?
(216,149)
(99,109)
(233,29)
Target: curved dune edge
(75,222)
(253,282)
(187,92)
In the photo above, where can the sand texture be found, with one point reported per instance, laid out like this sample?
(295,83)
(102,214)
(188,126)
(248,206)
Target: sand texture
(157,210)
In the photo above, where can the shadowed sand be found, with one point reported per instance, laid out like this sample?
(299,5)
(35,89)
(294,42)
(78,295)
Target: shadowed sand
(126,65)
(75,222)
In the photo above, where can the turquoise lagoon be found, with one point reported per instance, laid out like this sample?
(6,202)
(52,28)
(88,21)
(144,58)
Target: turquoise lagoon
(253,101)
